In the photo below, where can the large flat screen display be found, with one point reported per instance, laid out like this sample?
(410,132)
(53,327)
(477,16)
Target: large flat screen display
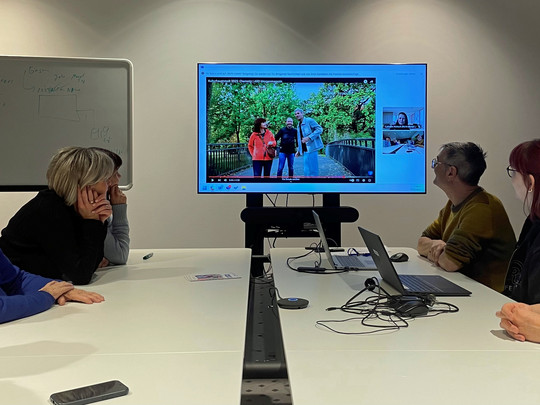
(338,128)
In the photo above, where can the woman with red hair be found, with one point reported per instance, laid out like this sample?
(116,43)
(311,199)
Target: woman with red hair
(520,320)
(523,276)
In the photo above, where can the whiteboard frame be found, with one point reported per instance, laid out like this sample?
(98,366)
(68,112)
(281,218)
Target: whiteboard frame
(120,62)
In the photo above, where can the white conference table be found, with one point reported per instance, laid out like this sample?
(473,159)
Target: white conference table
(168,339)
(458,358)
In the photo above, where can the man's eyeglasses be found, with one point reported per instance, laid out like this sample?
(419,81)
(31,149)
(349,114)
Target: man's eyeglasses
(435,162)
(510,171)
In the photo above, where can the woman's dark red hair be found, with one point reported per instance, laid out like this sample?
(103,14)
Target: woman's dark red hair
(258,123)
(525,158)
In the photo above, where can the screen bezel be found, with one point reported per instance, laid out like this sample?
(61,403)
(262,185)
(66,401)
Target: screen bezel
(314,186)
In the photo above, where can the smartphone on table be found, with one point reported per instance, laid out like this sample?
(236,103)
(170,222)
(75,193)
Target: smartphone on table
(90,393)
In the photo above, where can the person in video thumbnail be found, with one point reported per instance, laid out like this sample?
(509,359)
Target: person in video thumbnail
(418,140)
(402,120)
(309,137)
(287,147)
(472,233)
(258,144)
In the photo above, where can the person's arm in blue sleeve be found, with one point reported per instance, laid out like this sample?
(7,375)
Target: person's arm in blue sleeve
(23,294)
(316,129)
(20,294)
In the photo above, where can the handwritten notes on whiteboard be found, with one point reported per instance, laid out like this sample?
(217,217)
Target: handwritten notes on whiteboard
(49,103)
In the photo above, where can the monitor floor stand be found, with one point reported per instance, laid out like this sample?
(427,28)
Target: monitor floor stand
(289,222)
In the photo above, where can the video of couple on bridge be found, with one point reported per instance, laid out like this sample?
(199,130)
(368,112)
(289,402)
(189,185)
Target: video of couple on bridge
(302,130)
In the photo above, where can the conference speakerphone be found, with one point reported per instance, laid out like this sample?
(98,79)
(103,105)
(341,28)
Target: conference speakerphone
(292,303)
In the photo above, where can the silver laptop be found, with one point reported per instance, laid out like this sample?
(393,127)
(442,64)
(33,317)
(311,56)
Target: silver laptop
(342,262)
(407,284)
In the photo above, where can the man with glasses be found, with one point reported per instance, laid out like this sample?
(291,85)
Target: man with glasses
(309,142)
(472,233)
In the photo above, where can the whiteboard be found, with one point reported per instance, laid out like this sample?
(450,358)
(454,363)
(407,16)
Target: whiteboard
(49,103)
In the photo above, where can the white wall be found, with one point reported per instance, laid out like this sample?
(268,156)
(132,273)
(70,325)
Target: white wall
(482,86)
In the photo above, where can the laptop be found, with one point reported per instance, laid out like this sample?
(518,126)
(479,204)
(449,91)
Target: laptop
(342,262)
(408,284)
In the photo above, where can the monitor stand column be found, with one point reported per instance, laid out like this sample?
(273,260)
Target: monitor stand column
(289,222)
(254,237)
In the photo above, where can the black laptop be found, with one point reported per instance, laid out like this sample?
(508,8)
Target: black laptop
(342,262)
(407,284)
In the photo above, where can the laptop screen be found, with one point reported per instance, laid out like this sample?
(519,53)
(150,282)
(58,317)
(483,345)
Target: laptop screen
(381,259)
(324,241)
(413,284)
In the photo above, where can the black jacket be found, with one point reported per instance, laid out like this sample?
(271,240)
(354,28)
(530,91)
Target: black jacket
(48,238)
(523,277)
(288,140)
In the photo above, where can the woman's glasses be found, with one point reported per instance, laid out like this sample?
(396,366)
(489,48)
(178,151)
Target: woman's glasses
(510,171)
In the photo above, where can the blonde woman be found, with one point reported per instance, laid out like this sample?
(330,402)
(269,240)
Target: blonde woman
(60,233)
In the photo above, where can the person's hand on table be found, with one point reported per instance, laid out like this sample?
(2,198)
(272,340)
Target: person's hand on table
(435,251)
(104,263)
(57,288)
(86,297)
(521,321)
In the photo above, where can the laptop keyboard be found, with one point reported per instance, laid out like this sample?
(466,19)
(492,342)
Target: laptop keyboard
(415,284)
(348,261)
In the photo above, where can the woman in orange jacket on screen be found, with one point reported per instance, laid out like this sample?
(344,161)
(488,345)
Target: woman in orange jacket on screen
(258,144)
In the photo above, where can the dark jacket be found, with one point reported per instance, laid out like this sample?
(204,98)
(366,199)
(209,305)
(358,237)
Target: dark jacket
(48,238)
(288,140)
(523,277)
